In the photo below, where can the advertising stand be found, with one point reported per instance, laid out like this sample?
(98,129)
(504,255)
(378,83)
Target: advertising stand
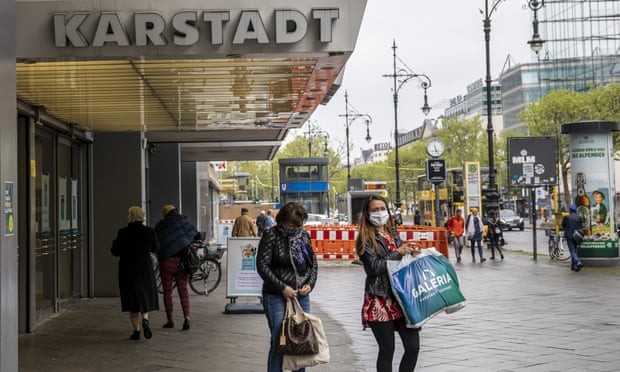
(242,279)
(594,188)
(532,163)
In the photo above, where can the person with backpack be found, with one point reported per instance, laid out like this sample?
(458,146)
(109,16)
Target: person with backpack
(175,234)
(456,228)
(475,229)
(495,235)
(263,222)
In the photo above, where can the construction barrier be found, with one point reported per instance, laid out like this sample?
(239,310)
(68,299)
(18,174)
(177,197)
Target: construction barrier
(331,242)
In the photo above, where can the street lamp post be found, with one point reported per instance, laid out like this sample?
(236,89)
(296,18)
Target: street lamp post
(400,76)
(537,42)
(349,119)
(492,195)
(313,132)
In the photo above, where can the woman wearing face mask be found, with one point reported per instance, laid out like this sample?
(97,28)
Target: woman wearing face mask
(376,243)
(288,267)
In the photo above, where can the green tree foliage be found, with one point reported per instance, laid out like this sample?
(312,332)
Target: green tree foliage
(465,140)
(545,117)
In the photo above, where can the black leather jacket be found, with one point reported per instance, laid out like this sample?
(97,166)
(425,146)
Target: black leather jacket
(375,266)
(275,264)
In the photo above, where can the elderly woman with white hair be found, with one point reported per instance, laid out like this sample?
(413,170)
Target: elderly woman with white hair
(134,244)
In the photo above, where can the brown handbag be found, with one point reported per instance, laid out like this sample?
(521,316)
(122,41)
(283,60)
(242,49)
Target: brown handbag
(297,335)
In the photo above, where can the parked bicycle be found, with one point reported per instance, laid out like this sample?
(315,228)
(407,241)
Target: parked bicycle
(558,250)
(209,274)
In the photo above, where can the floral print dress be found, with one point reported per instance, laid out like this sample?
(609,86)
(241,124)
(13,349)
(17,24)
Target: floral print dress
(381,309)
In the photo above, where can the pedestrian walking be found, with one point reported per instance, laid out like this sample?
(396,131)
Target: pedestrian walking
(376,243)
(288,267)
(456,228)
(475,229)
(134,245)
(571,223)
(243,225)
(175,234)
(495,235)
(271,221)
(416,217)
(262,222)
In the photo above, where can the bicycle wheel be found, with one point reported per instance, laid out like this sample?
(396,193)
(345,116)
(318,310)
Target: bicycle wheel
(563,254)
(206,278)
(552,248)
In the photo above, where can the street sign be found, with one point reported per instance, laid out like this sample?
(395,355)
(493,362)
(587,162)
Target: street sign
(436,170)
(532,161)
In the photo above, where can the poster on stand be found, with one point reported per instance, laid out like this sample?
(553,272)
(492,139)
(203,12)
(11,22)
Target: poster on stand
(242,279)
(593,186)
(223,232)
(473,194)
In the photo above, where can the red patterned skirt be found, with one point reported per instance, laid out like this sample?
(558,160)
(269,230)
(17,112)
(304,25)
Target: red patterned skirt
(379,309)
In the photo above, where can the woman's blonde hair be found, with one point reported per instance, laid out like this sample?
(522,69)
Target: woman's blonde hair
(135,214)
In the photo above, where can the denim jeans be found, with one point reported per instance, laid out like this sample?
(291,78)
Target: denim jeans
(275,307)
(572,248)
(475,242)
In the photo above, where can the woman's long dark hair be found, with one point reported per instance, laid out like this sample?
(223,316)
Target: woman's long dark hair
(292,212)
(367,230)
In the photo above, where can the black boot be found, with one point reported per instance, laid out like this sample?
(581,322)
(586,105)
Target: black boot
(147,329)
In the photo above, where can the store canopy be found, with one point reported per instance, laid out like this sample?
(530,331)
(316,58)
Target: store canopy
(227,84)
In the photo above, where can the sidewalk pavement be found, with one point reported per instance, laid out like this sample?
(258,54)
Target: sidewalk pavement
(521,315)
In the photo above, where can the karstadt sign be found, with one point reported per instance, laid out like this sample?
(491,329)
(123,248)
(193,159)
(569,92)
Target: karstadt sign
(150,28)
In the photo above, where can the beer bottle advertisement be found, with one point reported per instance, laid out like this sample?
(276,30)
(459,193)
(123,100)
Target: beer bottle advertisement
(592,176)
(583,203)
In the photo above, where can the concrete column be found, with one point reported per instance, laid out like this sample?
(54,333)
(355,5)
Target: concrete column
(118,183)
(164,179)
(8,179)
(190,192)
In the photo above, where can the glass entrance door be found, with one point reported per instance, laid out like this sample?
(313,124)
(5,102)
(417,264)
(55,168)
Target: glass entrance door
(45,223)
(69,232)
(59,228)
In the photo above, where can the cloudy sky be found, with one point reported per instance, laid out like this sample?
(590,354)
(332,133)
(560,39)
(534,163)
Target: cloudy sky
(440,38)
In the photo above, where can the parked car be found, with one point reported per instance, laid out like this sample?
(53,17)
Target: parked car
(342,219)
(510,220)
(318,219)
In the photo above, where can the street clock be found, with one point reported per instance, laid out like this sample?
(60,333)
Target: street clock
(435,147)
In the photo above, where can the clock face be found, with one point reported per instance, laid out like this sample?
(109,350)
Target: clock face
(435,147)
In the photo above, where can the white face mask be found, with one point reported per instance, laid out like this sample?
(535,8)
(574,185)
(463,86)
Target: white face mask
(379,218)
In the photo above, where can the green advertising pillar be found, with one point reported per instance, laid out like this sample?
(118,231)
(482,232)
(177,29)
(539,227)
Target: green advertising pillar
(594,188)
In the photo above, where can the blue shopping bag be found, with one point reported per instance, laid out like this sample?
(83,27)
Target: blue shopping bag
(425,285)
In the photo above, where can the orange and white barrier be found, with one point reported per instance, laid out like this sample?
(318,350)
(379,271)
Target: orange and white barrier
(337,242)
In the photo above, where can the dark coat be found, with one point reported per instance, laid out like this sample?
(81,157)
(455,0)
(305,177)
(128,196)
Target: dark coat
(494,224)
(275,265)
(175,233)
(571,223)
(136,281)
(375,266)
